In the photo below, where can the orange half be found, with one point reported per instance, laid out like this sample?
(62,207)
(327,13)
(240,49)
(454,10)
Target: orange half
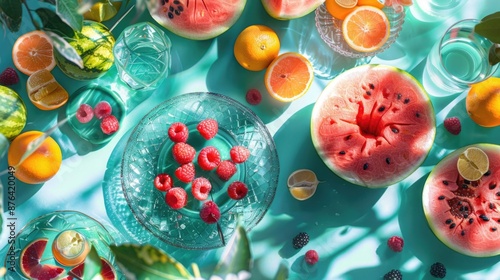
(366,29)
(289,77)
(45,92)
(33,51)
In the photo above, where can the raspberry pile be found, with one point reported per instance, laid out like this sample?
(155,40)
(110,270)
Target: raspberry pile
(207,159)
(103,112)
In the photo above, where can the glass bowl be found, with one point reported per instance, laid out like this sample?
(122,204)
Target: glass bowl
(330,30)
(148,153)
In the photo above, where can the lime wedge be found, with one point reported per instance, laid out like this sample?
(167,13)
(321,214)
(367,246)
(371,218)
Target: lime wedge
(347,3)
(472,164)
(302,184)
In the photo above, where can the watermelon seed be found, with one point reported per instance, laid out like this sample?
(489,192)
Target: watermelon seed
(462,233)
(471,220)
(498,221)
(498,194)
(381,108)
(466,216)
(445,182)
(365,166)
(395,130)
(398,96)
(407,100)
(488,173)
(347,137)
(452,225)
(417,115)
(368,93)
(484,218)
(492,185)
(493,229)
(448,221)
(342,152)
(462,208)
(441,197)
(465,186)
(372,86)
(459,202)
(388,160)
(491,206)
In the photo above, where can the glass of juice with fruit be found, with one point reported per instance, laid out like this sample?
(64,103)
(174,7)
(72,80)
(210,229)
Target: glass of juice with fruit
(55,245)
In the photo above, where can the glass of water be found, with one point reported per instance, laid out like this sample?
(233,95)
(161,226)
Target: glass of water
(435,10)
(459,59)
(142,55)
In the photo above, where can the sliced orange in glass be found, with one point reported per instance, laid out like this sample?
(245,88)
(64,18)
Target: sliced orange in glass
(33,51)
(366,29)
(45,92)
(289,77)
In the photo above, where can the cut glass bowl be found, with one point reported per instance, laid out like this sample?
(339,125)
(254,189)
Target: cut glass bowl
(330,30)
(148,153)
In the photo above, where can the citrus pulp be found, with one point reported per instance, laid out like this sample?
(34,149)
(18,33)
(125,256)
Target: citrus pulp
(472,164)
(366,29)
(45,92)
(33,51)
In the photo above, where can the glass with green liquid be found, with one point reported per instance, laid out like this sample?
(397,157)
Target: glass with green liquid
(458,60)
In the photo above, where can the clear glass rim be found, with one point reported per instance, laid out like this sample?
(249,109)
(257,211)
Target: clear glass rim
(164,38)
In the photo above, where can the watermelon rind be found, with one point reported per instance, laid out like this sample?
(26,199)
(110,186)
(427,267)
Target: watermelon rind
(290,9)
(451,158)
(393,179)
(203,20)
(13,113)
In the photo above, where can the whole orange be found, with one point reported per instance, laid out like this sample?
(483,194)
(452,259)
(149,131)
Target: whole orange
(256,47)
(336,10)
(483,102)
(40,166)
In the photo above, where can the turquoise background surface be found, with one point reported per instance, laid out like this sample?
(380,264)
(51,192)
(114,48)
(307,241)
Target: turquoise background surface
(348,225)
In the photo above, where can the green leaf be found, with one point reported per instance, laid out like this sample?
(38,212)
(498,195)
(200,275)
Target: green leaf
(65,49)
(491,16)
(147,262)
(85,5)
(92,265)
(11,14)
(283,271)
(490,29)
(494,54)
(52,22)
(236,256)
(67,11)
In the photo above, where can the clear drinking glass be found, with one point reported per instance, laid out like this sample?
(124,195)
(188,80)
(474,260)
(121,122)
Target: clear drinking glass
(435,10)
(458,60)
(142,55)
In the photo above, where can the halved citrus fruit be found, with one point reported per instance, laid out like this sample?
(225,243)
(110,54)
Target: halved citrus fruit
(366,29)
(33,51)
(289,77)
(347,3)
(256,47)
(107,271)
(103,10)
(337,11)
(374,3)
(302,184)
(30,262)
(45,92)
(70,248)
(472,164)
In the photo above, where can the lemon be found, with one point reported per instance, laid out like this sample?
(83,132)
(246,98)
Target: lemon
(70,243)
(302,184)
(347,3)
(102,11)
(472,164)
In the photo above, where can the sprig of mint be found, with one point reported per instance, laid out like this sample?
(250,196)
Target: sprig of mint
(489,27)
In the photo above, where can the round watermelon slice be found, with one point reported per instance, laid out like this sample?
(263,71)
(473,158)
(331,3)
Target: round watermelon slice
(290,9)
(196,19)
(373,125)
(30,262)
(465,215)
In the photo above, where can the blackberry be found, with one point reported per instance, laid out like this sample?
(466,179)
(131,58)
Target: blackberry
(300,240)
(393,275)
(438,270)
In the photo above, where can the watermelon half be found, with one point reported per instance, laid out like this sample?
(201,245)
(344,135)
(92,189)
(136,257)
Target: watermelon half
(290,9)
(465,215)
(373,125)
(196,19)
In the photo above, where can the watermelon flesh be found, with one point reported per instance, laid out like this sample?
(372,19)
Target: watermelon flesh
(465,215)
(290,9)
(196,19)
(373,125)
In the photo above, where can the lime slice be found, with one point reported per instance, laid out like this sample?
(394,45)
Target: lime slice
(70,244)
(103,11)
(347,3)
(472,164)
(302,184)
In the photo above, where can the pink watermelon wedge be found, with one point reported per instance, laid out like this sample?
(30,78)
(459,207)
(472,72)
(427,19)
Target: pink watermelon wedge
(465,215)
(196,19)
(373,125)
(290,9)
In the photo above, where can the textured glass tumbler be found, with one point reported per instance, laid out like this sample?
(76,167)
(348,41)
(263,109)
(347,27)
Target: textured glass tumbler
(435,10)
(459,59)
(142,55)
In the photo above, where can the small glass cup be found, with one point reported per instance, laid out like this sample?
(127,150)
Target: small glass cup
(458,60)
(435,10)
(142,55)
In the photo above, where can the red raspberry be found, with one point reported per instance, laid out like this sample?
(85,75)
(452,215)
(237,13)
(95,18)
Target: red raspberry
(208,158)
(102,109)
(163,182)
(237,190)
(311,257)
(176,198)
(210,212)
(253,96)
(396,243)
(178,132)
(110,124)
(183,153)
(208,128)
(185,172)
(84,114)
(453,125)
(200,188)
(9,77)
(239,154)
(225,170)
